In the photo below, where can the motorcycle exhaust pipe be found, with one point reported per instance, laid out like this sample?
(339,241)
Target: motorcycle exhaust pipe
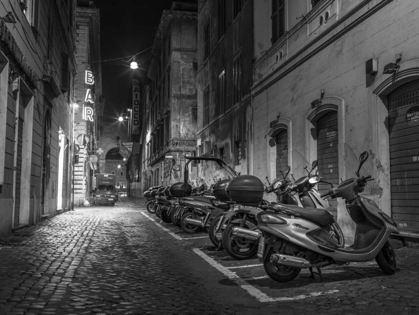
(193,221)
(246,233)
(290,261)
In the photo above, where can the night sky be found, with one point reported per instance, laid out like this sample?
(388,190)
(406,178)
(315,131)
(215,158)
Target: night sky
(127,27)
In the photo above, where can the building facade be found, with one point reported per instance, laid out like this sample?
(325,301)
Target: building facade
(333,79)
(88,102)
(224,81)
(37,72)
(171,104)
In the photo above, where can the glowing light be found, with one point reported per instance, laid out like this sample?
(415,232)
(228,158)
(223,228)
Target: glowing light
(133,65)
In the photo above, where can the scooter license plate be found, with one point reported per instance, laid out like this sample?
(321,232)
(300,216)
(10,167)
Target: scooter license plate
(261,247)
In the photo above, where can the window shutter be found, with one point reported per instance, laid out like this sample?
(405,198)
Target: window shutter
(65,73)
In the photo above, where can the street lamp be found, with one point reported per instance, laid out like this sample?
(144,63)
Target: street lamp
(133,64)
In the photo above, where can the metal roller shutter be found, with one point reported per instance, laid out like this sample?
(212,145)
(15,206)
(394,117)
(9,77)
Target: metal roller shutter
(327,152)
(281,152)
(403,125)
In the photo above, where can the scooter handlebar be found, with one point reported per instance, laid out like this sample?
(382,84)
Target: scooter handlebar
(326,194)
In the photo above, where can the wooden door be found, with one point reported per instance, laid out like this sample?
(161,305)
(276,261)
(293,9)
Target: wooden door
(403,125)
(327,152)
(281,140)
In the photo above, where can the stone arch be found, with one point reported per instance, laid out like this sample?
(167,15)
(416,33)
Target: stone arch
(329,104)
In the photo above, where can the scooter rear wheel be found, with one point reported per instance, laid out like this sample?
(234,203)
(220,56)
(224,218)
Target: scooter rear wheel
(188,228)
(236,246)
(386,259)
(279,273)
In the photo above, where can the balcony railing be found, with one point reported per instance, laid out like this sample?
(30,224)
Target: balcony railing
(173,145)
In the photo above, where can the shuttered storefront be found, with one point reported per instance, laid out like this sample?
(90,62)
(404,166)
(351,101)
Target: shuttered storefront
(281,140)
(403,124)
(327,152)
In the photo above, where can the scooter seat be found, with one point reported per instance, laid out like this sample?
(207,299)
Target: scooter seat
(319,216)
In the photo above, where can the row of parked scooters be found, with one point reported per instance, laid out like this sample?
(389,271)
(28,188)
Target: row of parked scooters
(296,232)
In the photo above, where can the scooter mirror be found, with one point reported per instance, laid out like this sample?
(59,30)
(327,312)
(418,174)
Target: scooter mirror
(288,171)
(362,158)
(314,164)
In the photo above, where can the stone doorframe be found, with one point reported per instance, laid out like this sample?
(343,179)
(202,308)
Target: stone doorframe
(329,104)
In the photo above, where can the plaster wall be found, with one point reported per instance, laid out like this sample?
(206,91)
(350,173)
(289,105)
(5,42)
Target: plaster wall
(339,69)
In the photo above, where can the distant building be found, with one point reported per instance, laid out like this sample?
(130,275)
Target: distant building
(224,81)
(88,97)
(171,105)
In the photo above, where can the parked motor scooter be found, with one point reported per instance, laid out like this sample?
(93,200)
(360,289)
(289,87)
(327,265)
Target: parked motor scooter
(150,195)
(199,211)
(241,234)
(294,238)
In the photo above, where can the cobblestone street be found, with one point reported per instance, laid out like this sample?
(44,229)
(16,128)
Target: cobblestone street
(113,260)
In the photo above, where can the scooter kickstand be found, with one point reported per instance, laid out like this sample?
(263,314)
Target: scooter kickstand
(311,276)
(320,273)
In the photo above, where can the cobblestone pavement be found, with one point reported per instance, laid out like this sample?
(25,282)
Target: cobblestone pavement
(113,260)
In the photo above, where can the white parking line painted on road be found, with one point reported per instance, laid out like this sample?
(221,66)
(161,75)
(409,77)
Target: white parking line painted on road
(255,278)
(253,291)
(245,266)
(162,227)
(195,238)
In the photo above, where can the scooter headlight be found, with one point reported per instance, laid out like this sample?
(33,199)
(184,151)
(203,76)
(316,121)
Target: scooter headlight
(314,180)
(277,185)
(268,218)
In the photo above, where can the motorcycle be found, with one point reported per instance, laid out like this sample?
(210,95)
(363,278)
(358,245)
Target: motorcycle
(240,237)
(150,195)
(294,238)
(199,211)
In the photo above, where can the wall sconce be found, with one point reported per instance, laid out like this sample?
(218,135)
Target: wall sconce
(8,18)
(391,68)
(316,103)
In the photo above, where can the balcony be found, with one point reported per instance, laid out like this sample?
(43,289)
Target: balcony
(173,145)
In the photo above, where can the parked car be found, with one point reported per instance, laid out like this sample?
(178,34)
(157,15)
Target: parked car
(105,194)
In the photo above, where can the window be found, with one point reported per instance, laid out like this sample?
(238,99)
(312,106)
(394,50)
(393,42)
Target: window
(238,153)
(278,19)
(206,106)
(221,18)
(194,114)
(221,93)
(222,153)
(207,41)
(237,7)
(314,3)
(168,83)
(65,73)
(29,8)
(237,79)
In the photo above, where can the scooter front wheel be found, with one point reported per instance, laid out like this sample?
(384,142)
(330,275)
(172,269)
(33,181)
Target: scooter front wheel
(165,216)
(386,259)
(215,236)
(278,272)
(150,206)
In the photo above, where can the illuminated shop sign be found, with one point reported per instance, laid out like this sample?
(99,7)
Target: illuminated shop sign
(89,78)
(87,110)
(135,107)
(87,113)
